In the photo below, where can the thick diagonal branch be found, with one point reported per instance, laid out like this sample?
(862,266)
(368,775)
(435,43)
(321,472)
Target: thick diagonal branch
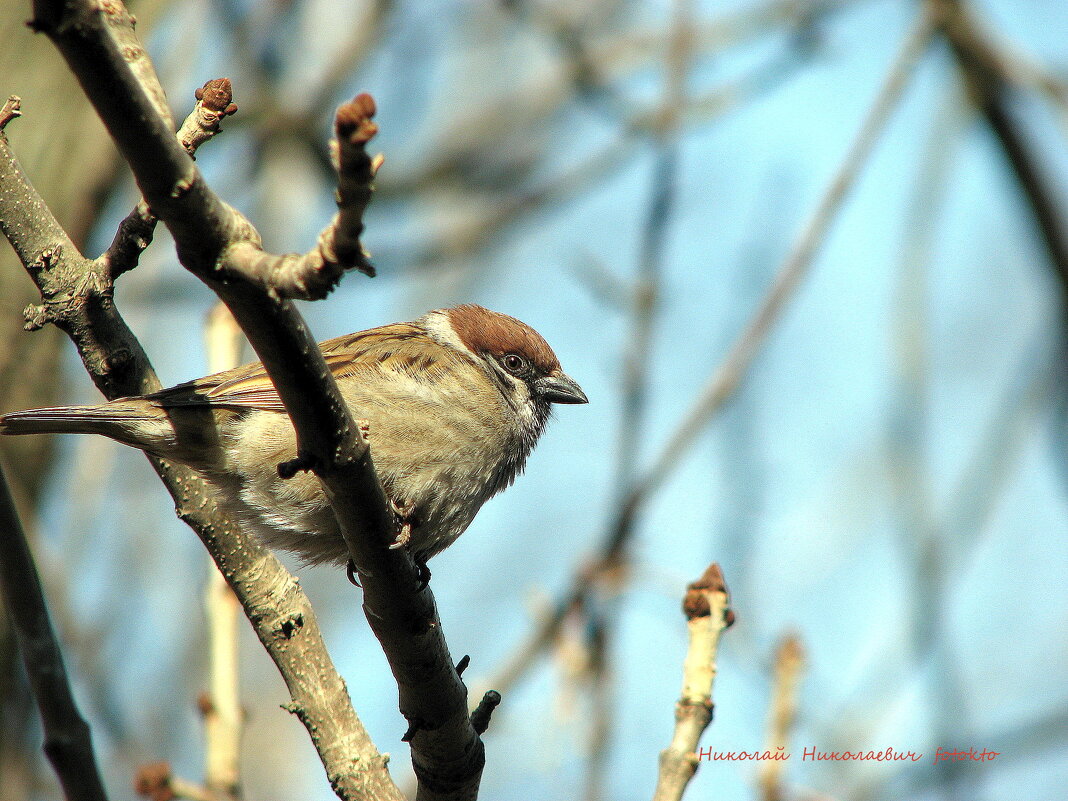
(78,299)
(213,242)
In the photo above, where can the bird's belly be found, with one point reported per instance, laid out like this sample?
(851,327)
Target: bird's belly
(441,473)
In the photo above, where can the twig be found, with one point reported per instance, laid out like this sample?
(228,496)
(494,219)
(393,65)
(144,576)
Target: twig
(312,275)
(789,665)
(77,298)
(731,29)
(135,232)
(469,234)
(985,477)
(925,548)
(1036,738)
(221,705)
(708,614)
(600,680)
(654,233)
(1001,58)
(67,740)
(992,93)
(860,715)
(795,267)
(636,362)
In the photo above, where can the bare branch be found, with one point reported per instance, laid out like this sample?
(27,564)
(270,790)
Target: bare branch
(221,704)
(475,231)
(992,92)
(67,738)
(729,374)
(998,56)
(312,275)
(215,243)
(78,299)
(708,614)
(788,668)
(77,296)
(136,230)
(664,131)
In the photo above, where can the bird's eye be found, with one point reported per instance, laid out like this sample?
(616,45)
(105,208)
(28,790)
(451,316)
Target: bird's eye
(514,363)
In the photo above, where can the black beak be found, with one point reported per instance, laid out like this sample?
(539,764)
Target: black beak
(560,388)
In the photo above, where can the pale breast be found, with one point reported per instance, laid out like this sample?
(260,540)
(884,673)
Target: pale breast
(441,447)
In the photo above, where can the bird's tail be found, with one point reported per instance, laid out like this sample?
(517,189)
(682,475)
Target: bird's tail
(115,420)
(188,435)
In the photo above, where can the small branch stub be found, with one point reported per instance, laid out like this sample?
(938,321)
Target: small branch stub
(12,108)
(480,718)
(154,782)
(707,609)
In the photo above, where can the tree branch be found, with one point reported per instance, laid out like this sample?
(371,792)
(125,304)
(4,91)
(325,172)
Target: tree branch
(707,609)
(794,268)
(730,372)
(993,94)
(221,703)
(78,299)
(788,669)
(67,742)
(215,243)
(204,122)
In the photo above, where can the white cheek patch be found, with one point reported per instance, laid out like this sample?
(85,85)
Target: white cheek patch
(440,329)
(524,406)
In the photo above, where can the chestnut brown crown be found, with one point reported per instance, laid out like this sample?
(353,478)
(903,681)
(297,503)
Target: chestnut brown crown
(517,349)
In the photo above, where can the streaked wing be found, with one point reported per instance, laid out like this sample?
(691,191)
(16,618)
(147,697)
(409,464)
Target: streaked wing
(249,387)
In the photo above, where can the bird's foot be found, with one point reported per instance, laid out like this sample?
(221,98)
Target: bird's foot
(406,520)
(422,572)
(304,461)
(364,427)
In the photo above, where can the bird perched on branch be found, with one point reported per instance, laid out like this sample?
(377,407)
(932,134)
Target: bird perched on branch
(451,404)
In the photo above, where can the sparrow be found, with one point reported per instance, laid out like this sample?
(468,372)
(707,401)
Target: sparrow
(452,405)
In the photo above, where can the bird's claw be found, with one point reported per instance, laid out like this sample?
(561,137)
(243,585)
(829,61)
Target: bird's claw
(350,572)
(423,573)
(403,512)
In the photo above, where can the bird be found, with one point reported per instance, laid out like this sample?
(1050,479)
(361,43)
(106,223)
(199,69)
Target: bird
(451,404)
